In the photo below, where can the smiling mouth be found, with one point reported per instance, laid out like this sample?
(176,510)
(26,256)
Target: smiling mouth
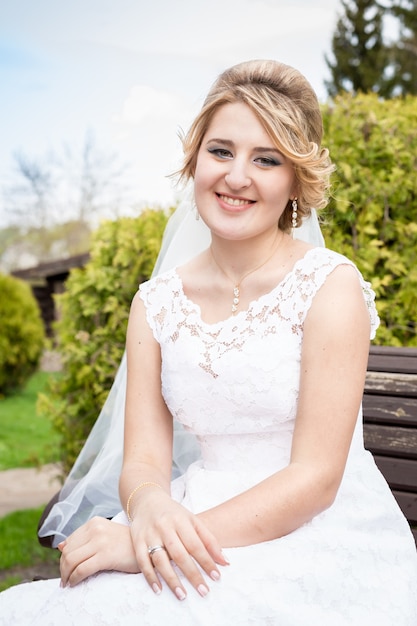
(236,202)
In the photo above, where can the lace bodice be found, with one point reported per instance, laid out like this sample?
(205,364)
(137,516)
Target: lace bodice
(238,376)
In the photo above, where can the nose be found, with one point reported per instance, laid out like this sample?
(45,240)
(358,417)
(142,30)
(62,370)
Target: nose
(237,176)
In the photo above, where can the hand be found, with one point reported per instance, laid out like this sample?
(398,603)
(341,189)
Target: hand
(96,546)
(160,521)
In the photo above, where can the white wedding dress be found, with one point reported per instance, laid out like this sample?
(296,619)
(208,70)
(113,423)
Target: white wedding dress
(235,385)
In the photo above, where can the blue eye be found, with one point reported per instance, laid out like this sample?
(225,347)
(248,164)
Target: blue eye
(267,161)
(222,153)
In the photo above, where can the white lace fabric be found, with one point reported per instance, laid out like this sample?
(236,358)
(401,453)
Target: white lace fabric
(234,385)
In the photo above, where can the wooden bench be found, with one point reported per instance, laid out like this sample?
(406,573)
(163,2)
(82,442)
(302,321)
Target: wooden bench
(390,422)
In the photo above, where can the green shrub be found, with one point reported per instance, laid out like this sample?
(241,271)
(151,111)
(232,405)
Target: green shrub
(21,333)
(373,213)
(91,331)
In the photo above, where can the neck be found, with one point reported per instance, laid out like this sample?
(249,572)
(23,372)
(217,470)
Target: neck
(237,278)
(236,259)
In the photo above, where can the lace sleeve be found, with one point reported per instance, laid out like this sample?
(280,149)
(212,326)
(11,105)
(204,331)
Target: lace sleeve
(369,295)
(157,295)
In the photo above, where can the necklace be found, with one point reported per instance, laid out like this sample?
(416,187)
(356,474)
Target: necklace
(236,288)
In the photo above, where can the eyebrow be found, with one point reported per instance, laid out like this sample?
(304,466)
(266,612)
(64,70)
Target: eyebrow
(227,142)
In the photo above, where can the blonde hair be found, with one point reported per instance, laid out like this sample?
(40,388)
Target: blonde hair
(287,107)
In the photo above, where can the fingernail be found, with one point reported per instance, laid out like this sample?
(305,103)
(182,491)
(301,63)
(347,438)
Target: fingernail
(225,558)
(179,593)
(202,590)
(156,589)
(215,575)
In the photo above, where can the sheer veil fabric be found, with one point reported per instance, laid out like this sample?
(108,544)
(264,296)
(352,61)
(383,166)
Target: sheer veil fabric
(91,487)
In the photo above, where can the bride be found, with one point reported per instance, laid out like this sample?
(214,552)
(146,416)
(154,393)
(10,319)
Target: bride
(255,343)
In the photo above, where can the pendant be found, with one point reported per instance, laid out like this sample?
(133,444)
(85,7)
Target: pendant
(236,294)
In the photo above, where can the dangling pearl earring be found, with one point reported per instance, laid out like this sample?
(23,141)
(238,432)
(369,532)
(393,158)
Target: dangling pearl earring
(196,213)
(294,215)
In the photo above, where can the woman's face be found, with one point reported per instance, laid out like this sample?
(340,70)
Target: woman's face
(242,182)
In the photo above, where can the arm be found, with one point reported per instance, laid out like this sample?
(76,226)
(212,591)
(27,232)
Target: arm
(157,519)
(333,368)
(148,425)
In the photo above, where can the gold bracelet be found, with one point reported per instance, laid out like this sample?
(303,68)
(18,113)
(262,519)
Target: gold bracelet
(141,486)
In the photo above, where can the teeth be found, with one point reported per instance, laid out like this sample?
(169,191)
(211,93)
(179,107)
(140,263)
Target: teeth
(233,201)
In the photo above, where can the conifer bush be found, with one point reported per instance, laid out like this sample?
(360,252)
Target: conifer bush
(21,333)
(91,331)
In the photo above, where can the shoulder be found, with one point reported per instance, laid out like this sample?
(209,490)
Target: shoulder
(314,269)
(154,301)
(333,280)
(159,284)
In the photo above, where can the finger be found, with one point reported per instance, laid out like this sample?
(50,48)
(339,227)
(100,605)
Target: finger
(71,560)
(185,554)
(147,568)
(76,549)
(211,545)
(162,563)
(204,549)
(85,569)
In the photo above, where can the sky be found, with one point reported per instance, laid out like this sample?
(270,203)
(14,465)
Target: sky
(133,73)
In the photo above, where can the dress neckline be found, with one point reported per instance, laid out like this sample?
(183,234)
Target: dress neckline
(244,312)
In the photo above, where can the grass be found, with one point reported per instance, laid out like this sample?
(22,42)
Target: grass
(21,556)
(26,439)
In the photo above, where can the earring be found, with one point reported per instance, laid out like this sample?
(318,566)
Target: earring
(196,213)
(294,213)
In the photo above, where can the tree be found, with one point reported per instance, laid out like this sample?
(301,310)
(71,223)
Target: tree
(55,202)
(402,72)
(90,183)
(29,199)
(359,53)
(63,187)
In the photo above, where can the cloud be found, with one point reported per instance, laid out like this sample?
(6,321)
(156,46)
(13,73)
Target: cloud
(146,131)
(144,102)
(211,28)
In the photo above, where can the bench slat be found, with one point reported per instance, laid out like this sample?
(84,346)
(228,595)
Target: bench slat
(392,359)
(399,473)
(391,441)
(391,384)
(408,504)
(390,410)
(393,350)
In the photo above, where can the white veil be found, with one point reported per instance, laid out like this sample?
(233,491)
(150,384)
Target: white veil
(91,487)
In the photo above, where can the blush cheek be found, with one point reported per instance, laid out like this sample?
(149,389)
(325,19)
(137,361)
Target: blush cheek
(204,180)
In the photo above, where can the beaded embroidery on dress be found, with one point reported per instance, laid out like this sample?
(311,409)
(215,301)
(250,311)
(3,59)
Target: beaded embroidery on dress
(234,385)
